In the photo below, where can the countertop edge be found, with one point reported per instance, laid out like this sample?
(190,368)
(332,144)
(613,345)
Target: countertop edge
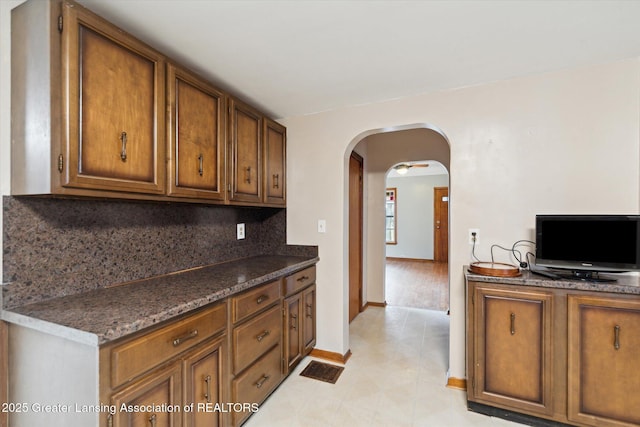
(50,328)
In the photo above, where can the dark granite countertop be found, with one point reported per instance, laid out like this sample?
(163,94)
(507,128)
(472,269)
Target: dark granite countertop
(103,315)
(624,284)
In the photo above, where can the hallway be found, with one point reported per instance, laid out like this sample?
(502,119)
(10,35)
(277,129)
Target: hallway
(417,284)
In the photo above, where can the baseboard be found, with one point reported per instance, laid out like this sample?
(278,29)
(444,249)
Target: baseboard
(331,356)
(393,258)
(457,383)
(373,304)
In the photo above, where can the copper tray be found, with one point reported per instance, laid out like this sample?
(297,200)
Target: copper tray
(496,269)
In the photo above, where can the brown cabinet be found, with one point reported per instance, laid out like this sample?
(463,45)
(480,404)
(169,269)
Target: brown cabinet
(88,113)
(299,316)
(113,95)
(256,346)
(177,364)
(245,148)
(204,382)
(512,348)
(196,132)
(275,159)
(604,345)
(147,401)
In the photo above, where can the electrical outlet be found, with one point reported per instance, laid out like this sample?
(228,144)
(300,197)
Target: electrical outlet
(322,226)
(240,231)
(472,235)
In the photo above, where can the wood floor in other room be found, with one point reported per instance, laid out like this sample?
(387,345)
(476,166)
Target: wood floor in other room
(417,283)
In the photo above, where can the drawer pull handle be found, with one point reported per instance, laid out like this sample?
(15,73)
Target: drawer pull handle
(616,341)
(180,340)
(110,420)
(207,395)
(302,279)
(263,335)
(247,174)
(309,311)
(262,298)
(152,420)
(513,323)
(294,321)
(123,152)
(200,165)
(262,380)
(276,178)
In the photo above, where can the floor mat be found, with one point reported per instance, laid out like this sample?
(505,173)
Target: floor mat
(322,371)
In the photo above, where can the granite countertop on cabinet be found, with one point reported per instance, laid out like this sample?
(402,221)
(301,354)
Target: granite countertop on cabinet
(623,284)
(103,315)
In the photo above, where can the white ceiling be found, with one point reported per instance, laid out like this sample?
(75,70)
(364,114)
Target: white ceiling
(293,58)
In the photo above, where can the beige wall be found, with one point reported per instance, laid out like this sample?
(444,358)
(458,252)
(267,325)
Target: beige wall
(565,142)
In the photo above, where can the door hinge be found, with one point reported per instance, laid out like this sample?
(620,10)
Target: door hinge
(473,383)
(229,187)
(60,23)
(60,163)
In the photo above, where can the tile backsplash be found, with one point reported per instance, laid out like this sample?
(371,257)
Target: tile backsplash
(55,247)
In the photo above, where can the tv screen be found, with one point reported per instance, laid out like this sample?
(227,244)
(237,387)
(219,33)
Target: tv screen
(588,242)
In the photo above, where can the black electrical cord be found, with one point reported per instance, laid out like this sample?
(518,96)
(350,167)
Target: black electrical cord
(515,252)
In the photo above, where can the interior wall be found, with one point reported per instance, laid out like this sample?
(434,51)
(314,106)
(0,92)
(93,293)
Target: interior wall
(565,142)
(414,211)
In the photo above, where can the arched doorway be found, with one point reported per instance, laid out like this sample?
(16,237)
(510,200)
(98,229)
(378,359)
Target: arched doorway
(381,149)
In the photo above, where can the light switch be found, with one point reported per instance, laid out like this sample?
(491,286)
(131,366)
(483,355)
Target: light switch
(322,226)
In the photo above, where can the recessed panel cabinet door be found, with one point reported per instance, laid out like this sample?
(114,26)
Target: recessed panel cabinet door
(245,127)
(113,90)
(274,163)
(604,346)
(292,330)
(512,336)
(309,332)
(196,132)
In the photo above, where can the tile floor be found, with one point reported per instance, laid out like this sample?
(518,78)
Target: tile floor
(395,377)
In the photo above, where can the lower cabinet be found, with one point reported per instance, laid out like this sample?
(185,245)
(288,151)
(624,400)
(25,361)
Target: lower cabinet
(604,346)
(512,349)
(256,347)
(299,326)
(560,354)
(151,378)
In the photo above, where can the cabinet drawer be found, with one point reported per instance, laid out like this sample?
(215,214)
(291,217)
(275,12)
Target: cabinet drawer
(254,300)
(299,280)
(252,339)
(143,353)
(255,384)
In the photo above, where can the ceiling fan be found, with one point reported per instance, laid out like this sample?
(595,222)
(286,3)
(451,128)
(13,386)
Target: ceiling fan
(403,168)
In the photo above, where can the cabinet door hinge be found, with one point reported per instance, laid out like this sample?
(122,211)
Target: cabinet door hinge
(60,163)
(60,23)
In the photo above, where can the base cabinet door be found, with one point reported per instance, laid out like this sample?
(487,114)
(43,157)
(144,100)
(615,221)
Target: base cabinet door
(292,330)
(512,349)
(309,329)
(603,352)
(203,385)
(149,401)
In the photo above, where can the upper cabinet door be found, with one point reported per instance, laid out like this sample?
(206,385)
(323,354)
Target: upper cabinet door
(245,142)
(114,102)
(275,163)
(196,137)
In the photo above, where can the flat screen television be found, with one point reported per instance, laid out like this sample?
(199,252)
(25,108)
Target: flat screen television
(585,245)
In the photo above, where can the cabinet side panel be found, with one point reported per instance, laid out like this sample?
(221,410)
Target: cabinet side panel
(33,96)
(47,370)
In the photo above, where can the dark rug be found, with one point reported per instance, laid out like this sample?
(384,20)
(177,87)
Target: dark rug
(322,371)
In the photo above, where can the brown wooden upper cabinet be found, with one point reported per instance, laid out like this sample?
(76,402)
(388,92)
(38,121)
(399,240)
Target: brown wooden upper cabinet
(113,89)
(88,119)
(275,151)
(196,136)
(245,148)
